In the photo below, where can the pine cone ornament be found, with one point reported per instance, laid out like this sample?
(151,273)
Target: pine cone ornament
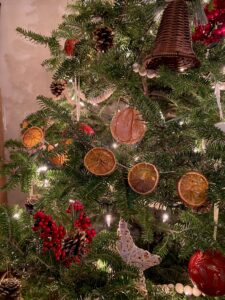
(103,38)
(57,87)
(10,289)
(73,245)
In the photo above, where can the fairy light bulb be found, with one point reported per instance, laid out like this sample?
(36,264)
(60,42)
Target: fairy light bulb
(115,145)
(46,183)
(16,216)
(165,217)
(108,219)
(42,169)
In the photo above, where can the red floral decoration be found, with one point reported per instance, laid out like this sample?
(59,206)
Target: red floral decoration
(214,31)
(68,247)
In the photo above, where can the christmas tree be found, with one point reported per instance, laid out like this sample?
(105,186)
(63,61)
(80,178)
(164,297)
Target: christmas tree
(123,166)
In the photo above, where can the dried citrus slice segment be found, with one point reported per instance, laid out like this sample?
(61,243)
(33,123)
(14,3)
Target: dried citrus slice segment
(100,161)
(127,126)
(32,137)
(192,189)
(143,178)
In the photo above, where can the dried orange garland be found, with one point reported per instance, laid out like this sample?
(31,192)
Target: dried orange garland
(127,126)
(32,137)
(100,161)
(143,178)
(192,189)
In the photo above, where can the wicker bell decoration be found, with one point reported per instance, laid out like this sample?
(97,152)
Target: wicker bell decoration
(173,46)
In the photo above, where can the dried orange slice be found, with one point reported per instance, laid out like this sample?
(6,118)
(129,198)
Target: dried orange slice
(192,189)
(143,178)
(127,126)
(100,161)
(32,137)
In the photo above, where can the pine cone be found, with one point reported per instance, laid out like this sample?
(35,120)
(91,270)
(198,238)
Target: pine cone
(73,245)
(57,87)
(10,289)
(103,37)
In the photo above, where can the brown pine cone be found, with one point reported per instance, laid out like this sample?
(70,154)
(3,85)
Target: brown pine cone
(10,289)
(57,87)
(103,38)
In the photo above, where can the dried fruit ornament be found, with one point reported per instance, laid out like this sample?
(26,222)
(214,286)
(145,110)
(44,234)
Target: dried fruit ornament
(100,161)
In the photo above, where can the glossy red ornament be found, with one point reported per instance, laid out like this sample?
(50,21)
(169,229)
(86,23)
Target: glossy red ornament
(70,46)
(207,271)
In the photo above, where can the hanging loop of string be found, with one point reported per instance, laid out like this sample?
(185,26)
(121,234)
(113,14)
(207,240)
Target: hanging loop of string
(216,205)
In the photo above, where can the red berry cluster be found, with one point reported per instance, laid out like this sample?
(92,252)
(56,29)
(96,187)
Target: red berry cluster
(87,129)
(214,31)
(82,222)
(56,239)
(75,206)
(51,234)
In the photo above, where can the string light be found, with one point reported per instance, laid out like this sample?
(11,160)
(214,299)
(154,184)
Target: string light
(46,183)
(165,217)
(42,169)
(16,216)
(108,219)
(115,145)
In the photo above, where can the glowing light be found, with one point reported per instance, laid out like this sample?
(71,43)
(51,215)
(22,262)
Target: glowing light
(46,183)
(165,217)
(42,169)
(16,216)
(108,219)
(182,70)
(115,145)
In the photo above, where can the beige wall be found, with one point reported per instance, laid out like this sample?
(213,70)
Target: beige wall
(22,78)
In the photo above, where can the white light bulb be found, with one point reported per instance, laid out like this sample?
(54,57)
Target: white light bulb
(46,183)
(165,217)
(115,145)
(108,219)
(42,169)
(16,216)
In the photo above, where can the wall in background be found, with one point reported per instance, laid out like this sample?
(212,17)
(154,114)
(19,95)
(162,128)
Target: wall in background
(22,78)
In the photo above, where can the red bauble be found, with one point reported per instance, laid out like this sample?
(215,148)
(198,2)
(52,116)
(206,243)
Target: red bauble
(70,46)
(207,271)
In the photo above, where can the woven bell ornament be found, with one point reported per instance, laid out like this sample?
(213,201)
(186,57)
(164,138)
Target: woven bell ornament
(173,45)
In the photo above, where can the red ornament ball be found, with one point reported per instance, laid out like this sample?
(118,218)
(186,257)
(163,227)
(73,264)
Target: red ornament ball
(207,271)
(70,46)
